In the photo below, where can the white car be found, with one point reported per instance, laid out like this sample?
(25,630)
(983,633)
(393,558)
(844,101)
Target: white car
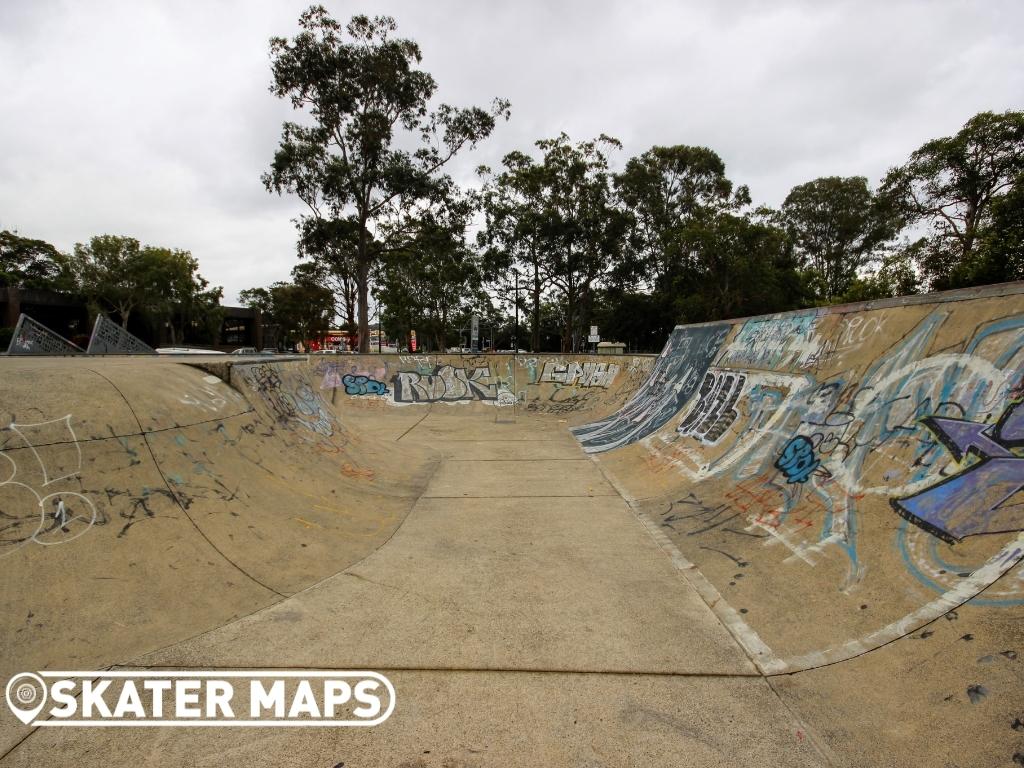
(186,351)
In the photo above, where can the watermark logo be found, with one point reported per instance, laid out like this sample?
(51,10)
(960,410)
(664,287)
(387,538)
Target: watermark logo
(201,698)
(26,696)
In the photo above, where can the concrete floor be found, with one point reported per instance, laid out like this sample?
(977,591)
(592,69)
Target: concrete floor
(532,604)
(525,616)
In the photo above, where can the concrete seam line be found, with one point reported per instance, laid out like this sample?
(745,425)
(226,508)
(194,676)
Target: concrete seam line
(534,496)
(418,422)
(535,461)
(755,648)
(438,669)
(142,433)
(307,588)
(503,440)
(760,655)
(771,664)
(981,579)
(160,471)
(816,741)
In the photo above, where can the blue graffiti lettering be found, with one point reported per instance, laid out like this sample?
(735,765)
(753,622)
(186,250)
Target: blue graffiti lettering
(363,385)
(797,461)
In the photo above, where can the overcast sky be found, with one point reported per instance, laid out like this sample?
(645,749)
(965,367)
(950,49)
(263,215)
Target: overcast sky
(153,119)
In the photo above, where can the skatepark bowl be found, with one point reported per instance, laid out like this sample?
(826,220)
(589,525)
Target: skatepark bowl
(790,540)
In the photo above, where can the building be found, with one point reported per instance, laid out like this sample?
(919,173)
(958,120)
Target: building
(68,314)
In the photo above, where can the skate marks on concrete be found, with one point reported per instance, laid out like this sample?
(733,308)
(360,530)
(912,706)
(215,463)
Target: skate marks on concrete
(38,506)
(546,384)
(864,463)
(160,480)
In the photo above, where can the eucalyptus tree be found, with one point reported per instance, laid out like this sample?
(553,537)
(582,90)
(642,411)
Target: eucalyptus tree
(512,238)
(435,279)
(837,226)
(365,103)
(666,191)
(952,185)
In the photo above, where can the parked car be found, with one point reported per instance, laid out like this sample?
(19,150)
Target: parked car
(245,351)
(186,351)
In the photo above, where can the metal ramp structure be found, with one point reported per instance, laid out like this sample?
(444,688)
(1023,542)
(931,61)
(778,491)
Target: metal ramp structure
(33,338)
(108,338)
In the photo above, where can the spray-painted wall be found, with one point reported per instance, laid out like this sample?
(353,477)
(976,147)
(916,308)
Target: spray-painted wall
(552,384)
(879,446)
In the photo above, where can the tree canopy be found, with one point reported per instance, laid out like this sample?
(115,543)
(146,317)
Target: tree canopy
(120,276)
(301,310)
(836,225)
(951,185)
(29,263)
(574,235)
(365,103)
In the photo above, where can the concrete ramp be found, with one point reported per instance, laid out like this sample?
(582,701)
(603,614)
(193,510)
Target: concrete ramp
(142,503)
(834,481)
(790,540)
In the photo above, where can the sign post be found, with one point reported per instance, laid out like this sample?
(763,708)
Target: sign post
(474,334)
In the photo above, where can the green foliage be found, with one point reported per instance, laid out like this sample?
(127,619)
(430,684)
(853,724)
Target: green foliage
(640,320)
(836,225)
(1002,244)
(556,224)
(513,238)
(434,281)
(666,190)
(952,184)
(164,285)
(330,252)
(365,101)
(303,310)
(669,239)
(582,228)
(894,274)
(738,267)
(28,263)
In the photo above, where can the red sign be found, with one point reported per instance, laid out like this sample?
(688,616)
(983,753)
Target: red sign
(412,341)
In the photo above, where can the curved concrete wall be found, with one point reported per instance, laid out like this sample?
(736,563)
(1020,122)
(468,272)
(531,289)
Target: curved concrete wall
(186,502)
(845,485)
(839,476)
(831,482)
(568,386)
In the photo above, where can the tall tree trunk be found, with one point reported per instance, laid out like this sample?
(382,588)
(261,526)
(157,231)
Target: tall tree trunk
(568,338)
(535,319)
(363,288)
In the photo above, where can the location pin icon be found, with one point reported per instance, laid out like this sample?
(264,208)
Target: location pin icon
(26,695)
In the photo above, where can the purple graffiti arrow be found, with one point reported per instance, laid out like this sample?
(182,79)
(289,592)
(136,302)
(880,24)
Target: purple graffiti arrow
(969,503)
(960,437)
(1011,426)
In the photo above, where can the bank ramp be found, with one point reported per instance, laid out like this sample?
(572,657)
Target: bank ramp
(788,540)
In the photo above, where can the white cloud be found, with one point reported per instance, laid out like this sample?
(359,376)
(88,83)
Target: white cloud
(153,118)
